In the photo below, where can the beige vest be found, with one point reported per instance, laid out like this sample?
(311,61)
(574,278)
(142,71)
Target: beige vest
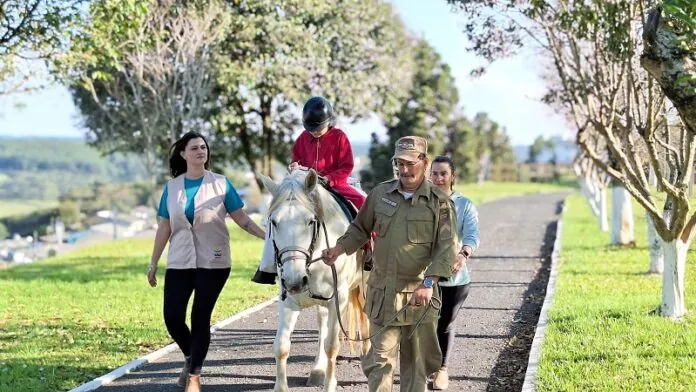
(206,243)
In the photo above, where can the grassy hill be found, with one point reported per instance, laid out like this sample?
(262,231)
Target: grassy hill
(45,168)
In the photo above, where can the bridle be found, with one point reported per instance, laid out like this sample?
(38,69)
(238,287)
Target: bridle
(281,256)
(320,225)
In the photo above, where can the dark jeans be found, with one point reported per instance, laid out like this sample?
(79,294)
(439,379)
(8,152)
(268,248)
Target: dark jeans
(179,284)
(452,300)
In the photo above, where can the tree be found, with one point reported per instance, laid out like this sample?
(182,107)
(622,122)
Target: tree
(3,231)
(536,149)
(461,146)
(276,55)
(492,146)
(141,73)
(594,51)
(69,212)
(426,111)
(30,30)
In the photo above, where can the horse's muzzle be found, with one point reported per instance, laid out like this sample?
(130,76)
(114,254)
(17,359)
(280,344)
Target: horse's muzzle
(295,287)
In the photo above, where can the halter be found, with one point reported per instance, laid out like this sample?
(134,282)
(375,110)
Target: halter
(307,253)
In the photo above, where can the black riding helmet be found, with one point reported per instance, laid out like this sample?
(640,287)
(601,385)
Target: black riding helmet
(317,114)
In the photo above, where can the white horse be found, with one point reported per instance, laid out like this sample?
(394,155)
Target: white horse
(301,212)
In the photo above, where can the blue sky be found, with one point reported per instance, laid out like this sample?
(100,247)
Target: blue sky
(509,91)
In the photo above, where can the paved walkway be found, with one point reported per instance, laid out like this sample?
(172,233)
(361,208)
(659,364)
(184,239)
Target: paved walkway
(494,330)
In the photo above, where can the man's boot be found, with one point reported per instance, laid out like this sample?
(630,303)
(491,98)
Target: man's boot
(262,277)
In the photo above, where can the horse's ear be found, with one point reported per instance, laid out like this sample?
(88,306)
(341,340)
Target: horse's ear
(311,180)
(269,184)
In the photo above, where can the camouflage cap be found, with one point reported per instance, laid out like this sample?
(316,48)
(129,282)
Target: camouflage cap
(410,148)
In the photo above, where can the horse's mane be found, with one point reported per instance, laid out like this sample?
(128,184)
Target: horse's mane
(292,187)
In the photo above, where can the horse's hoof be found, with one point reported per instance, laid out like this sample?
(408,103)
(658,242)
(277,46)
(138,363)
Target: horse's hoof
(316,378)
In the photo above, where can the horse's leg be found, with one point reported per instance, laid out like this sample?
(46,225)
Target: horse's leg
(281,346)
(333,343)
(316,376)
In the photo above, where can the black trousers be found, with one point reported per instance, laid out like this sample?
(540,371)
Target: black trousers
(179,284)
(452,300)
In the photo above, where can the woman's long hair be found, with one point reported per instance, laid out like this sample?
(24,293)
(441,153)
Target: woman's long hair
(177,163)
(450,162)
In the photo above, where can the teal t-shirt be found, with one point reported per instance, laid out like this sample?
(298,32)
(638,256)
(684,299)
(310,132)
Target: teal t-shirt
(232,200)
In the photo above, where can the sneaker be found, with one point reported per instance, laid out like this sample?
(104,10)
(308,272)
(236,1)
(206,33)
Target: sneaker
(261,277)
(183,376)
(441,379)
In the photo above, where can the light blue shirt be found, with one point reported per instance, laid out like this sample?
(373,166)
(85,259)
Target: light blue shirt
(467,234)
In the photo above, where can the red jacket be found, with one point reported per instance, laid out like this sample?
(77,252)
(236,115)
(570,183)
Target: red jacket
(332,157)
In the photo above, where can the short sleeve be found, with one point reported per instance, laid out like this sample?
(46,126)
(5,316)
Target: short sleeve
(162,211)
(232,200)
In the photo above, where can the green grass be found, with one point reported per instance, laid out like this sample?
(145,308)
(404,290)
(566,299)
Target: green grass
(489,191)
(67,320)
(22,207)
(603,333)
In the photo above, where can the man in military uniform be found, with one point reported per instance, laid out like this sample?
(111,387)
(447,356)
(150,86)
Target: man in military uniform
(414,248)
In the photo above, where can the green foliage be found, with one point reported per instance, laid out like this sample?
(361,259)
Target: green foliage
(276,56)
(681,17)
(461,147)
(69,212)
(425,112)
(26,224)
(31,28)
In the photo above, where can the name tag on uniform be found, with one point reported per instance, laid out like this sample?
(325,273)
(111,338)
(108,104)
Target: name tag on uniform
(390,202)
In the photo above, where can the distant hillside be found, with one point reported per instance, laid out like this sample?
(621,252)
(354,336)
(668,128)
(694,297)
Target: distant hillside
(45,168)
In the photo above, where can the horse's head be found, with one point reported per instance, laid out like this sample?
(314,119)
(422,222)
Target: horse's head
(296,215)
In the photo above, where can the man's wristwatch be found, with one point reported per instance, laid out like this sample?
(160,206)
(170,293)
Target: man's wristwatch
(428,282)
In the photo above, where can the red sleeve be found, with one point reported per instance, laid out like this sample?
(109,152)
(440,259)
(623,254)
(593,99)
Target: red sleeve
(296,149)
(344,163)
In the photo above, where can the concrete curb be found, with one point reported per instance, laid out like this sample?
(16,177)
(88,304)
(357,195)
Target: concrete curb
(135,364)
(535,353)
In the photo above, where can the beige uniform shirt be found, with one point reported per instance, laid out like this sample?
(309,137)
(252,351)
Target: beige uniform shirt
(414,240)
(206,243)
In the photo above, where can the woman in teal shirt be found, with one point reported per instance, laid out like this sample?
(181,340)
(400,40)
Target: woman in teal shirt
(199,253)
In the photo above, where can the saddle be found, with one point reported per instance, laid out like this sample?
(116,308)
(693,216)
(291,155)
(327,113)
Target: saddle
(351,212)
(347,207)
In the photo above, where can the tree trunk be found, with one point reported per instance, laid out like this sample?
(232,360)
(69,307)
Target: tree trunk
(657,256)
(673,289)
(484,165)
(589,190)
(668,63)
(603,213)
(622,217)
(267,121)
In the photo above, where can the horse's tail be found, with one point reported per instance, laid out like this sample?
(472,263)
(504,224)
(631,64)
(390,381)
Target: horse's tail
(358,324)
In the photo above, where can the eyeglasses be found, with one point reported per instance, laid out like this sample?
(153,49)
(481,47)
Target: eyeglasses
(405,164)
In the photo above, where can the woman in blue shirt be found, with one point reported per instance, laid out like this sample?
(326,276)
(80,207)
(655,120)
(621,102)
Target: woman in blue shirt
(455,289)
(192,215)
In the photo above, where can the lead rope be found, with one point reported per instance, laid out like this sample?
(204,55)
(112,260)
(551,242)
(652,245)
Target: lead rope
(435,303)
